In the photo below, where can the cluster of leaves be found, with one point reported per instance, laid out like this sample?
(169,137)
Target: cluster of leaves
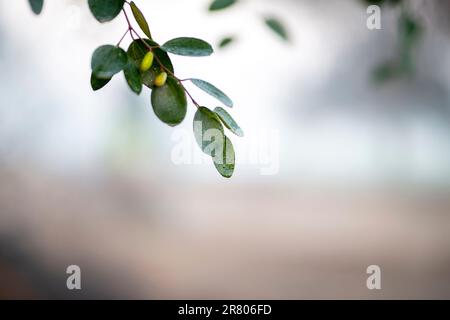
(145,63)
(273,23)
(409,33)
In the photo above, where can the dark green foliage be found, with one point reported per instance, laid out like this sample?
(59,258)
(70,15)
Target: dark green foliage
(409,32)
(168,97)
(221,4)
(97,84)
(191,47)
(105,10)
(108,60)
(133,76)
(277,27)
(225,42)
(140,19)
(136,52)
(36,5)
(169,102)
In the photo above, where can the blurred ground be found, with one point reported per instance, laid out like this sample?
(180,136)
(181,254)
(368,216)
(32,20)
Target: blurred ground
(266,241)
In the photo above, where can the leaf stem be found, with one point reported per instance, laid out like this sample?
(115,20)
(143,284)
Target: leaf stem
(123,37)
(150,48)
(128,20)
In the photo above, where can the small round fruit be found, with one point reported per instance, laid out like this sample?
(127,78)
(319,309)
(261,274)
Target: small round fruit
(147,62)
(161,79)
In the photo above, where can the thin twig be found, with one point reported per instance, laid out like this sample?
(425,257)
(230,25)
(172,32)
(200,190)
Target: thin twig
(121,39)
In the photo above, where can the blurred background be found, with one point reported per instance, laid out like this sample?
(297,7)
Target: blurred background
(345,162)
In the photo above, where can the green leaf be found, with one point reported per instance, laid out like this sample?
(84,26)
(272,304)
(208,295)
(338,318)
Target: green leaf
(105,10)
(221,4)
(225,162)
(108,60)
(276,26)
(137,50)
(169,102)
(97,83)
(410,34)
(208,131)
(188,47)
(213,91)
(36,5)
(228,121)
(140,19)
(133,77)
(225,42)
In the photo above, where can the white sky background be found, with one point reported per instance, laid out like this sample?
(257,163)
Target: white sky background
(45,91)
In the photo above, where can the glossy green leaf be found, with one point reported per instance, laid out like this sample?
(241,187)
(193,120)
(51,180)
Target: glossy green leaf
(140,19)
(36,5)
(105,10)
(276,26)
(133,77)
(225,162)
(137,50)
(221,4)
(213,91)
(188,47)
(228,121)
(97,84)
(208,131)
(169,102)
(108,60)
